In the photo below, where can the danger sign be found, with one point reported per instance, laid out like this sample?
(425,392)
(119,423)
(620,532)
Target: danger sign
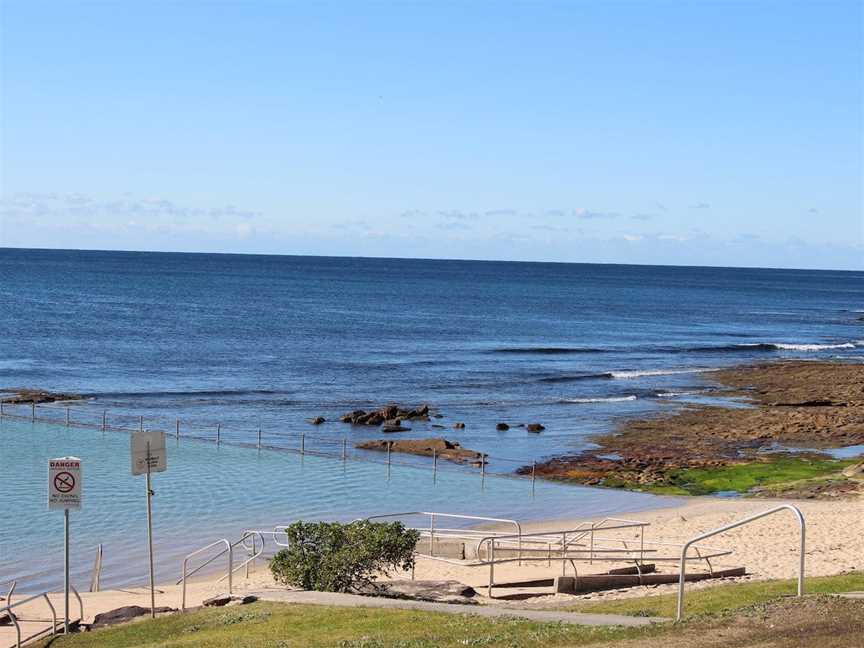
(64,483)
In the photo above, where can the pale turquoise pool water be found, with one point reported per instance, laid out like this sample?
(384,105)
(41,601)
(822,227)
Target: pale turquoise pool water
(210,492)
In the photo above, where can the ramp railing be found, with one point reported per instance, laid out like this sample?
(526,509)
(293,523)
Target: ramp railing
(55,621)
(679,613)
(229,548)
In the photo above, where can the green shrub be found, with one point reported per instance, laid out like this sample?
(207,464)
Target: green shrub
(334,557)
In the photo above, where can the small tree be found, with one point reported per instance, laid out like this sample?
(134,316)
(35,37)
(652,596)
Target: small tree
(334,557)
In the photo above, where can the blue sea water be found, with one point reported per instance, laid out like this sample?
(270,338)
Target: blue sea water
(247,341)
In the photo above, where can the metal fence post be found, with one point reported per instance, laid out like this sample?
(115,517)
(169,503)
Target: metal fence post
(259,437)
(177,428)
(218,433)
(564,553)
(32,412)
(67,416)
(1,408)
(483,471)
(302,443)
(104,416)
(140,423)
(533,475)
(434,466)
(344,449)
(389,445)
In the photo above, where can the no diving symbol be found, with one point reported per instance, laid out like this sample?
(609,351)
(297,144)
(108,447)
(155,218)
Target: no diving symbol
(64,482)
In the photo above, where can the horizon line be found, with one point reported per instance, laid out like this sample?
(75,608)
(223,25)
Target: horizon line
(455,259)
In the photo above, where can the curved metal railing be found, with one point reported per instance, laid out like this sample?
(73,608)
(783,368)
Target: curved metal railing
(229,548)
(679,611)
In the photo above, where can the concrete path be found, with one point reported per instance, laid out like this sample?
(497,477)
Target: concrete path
(354,600)
(858,596)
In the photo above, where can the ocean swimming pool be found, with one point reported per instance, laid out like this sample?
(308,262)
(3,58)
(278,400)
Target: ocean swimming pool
(214,491)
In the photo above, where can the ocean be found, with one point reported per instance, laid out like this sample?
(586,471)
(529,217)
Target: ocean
(242,342)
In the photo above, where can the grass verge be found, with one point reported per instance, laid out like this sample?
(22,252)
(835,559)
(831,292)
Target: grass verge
(724,598)
(280,625)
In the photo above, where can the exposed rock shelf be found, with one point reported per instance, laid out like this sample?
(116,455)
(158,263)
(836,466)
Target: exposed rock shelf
(442,448)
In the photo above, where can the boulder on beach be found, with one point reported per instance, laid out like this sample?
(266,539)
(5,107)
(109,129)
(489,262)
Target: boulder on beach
(502,427)
(125,613)
(444,591)
(439,447)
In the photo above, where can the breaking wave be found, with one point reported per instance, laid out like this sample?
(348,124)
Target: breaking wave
(609,399)
(657,372)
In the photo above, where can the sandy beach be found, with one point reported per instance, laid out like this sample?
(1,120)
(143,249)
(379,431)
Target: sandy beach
(766,548)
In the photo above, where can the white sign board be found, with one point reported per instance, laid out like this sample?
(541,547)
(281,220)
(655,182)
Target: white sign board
(64,483)
(158,457)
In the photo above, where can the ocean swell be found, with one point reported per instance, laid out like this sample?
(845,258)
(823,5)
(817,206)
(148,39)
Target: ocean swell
(547,350)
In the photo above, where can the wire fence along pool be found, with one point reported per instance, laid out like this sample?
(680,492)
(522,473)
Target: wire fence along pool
(82,414)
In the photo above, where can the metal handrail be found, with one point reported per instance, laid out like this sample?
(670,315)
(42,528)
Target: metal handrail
(553,536)
(80,602)
(8,609)
(277,530)
(228,547)
(242,541)
(431,530)
(679,612)
(11,591)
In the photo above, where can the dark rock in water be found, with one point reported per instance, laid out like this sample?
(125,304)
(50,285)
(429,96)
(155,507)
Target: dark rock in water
(218,601)
(437,591)
(437,416)
(458,426)
(502,427)
(36,396)
(318,420)
(125,613)
(535,427)
(438,427)
(442,448)
(394,428)
(385,415)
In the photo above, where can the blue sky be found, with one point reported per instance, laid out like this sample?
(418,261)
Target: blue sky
(719,133)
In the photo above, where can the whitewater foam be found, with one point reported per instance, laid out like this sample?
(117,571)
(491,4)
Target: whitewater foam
(610,399)
(813,347)
(658,372)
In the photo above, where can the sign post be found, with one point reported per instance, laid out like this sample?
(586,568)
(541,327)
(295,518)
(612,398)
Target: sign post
(148,456)
(64,493)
